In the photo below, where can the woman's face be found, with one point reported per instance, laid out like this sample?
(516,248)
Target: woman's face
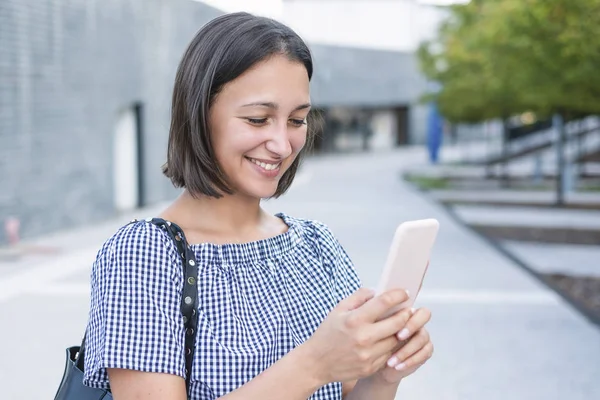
(258,125)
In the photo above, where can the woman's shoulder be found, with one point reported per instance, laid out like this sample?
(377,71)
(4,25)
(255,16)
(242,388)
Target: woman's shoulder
(331,252)
(139,240)
(133,234)
(136,289)
(316,234)
(309,227)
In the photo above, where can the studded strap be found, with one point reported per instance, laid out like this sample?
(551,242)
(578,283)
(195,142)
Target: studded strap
(189,299)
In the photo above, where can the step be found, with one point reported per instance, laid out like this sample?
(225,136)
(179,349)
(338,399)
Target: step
(515,197)
(528,217)
(573,260)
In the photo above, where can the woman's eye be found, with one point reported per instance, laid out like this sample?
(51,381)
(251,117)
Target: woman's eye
(298,122)
(257,121)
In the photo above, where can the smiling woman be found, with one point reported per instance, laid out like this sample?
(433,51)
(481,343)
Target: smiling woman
(256,90)
(259,126)
(279,313)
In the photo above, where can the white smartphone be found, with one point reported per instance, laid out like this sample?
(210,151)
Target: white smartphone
(407,259)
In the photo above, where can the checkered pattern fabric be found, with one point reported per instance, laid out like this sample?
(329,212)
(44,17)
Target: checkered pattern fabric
(257,301)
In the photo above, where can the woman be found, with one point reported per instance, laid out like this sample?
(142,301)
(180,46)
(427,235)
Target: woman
(281,314)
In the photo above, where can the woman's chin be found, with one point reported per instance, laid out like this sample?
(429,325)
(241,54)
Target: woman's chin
(260,191)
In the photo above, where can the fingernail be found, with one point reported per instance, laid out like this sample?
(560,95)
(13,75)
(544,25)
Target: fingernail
(412,310)
(403,335)
(392,361)
(400,366)
(407,292)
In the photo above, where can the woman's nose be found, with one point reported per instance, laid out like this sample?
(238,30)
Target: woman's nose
(279,142)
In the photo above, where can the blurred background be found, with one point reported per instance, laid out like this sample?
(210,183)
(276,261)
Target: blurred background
(483,114)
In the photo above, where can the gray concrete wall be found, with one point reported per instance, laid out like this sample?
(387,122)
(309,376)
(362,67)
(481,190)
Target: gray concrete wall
(373,78)
(418,123)
(67,69)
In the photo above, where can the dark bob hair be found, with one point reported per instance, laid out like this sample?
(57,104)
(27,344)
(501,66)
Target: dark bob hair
(221,51)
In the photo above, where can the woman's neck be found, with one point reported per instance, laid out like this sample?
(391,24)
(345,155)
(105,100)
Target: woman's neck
(230,218)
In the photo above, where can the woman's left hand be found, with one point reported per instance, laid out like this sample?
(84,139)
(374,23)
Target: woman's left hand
(416,348)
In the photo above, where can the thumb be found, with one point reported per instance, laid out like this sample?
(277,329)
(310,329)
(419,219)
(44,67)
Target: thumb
(356,299)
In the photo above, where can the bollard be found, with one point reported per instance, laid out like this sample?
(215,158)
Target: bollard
(537,169)
(570,178)
(11,228)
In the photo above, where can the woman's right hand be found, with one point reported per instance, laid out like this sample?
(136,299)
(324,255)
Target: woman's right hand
(352,342)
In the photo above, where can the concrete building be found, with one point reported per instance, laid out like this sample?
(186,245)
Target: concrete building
(367,81)
(85,89)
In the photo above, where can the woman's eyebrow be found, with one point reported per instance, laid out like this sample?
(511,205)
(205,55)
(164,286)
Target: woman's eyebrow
(274,106)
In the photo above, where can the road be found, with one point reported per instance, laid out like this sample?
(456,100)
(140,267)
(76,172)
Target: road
(498,333)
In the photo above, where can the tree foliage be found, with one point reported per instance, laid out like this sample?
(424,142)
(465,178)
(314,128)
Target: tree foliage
(496,58)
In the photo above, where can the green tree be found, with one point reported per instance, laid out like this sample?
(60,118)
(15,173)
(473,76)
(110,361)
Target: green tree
(475,84)
(495,58)
(555,44)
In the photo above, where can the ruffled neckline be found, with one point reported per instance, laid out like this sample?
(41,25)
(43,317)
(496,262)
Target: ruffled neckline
(263,249)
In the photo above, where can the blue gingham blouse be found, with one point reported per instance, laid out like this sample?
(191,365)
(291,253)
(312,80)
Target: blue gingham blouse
(257,301)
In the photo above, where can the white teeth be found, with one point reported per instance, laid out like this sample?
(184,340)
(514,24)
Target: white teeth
(266,166)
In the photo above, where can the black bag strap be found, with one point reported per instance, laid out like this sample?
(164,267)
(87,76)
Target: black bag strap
(189,298)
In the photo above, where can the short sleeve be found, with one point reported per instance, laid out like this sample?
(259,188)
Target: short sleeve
(345,279)
(135,320)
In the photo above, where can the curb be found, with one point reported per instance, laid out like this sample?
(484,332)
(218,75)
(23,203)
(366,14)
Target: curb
(588,315)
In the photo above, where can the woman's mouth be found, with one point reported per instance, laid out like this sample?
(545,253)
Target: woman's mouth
(266,169)
(264,165)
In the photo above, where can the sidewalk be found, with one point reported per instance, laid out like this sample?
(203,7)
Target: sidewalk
(499,333)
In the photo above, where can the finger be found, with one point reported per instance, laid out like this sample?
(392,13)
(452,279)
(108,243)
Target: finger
(414,345)
(375,308)
(417,359)
(385,348)
(415,323)
(356,299)
(390,326)
(381,353)
(381,362)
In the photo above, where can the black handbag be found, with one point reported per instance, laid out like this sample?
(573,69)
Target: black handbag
(72,388)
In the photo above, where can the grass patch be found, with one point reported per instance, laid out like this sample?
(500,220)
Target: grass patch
(590,188)
(427,182)
(532,188)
